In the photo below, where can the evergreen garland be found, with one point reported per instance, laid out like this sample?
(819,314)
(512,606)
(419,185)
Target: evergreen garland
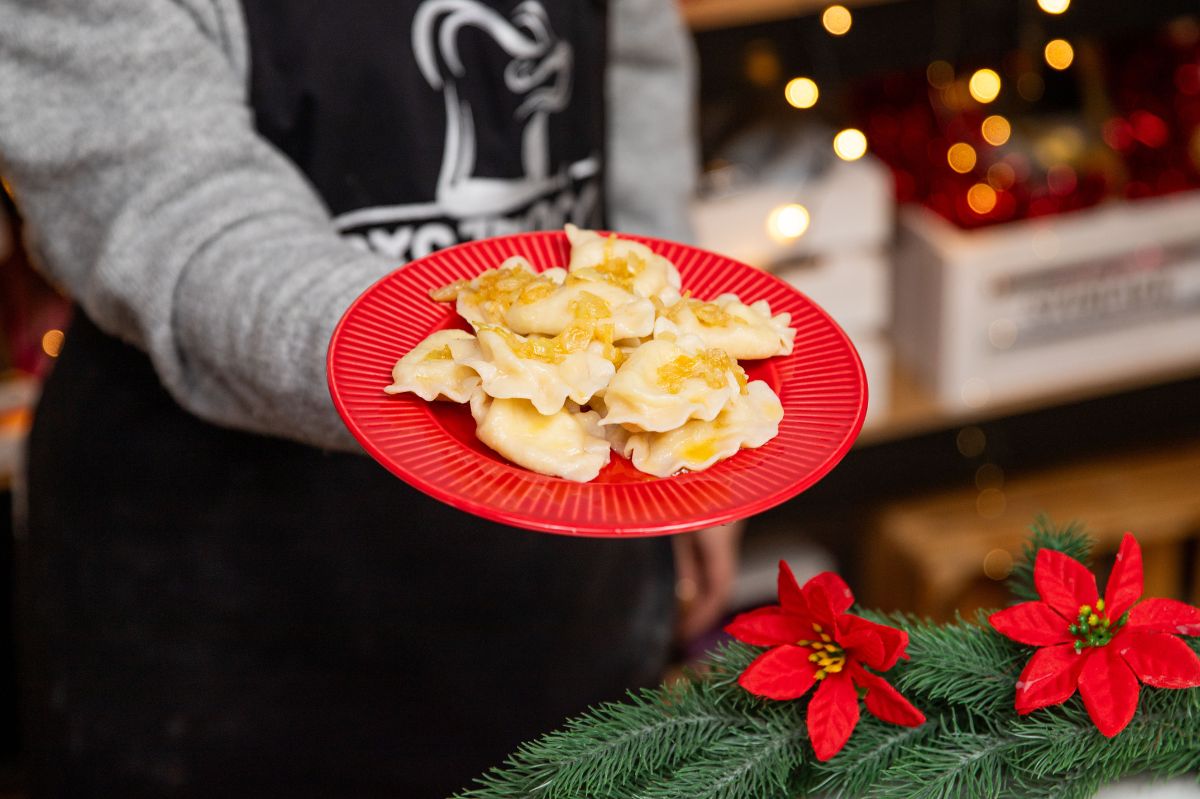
(707,738)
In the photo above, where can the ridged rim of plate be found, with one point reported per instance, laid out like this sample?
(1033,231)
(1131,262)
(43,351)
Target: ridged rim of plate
(821,385)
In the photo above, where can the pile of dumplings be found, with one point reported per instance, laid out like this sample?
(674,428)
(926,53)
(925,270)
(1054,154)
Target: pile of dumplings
(567,365)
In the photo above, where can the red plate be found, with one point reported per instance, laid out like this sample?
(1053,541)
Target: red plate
(432,445)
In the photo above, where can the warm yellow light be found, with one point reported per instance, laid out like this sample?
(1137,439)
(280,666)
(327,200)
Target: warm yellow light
(996,130)
(761,64)
(788,222)
(1059,53)
(802,92)
(837,20)
(939,74)
(1001,175)
(1053,6)
(981,197)
(961,157)
(984,85)
(850,144)
(52,341)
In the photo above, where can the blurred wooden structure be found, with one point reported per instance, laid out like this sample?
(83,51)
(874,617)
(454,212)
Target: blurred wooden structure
(951,551)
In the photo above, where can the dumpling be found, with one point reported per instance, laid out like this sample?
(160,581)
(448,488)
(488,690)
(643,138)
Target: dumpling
(628,264)
(569,443)
(665,382)
(628,315)
(744,331)
(432,370)
(545,371)
(485,299)
(750,420)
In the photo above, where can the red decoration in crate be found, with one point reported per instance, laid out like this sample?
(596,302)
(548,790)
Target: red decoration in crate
(1050,152)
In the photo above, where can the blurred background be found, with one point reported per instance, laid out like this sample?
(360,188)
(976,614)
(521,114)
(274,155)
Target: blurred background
(1000,204)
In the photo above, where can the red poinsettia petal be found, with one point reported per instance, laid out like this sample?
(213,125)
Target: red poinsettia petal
(832,589)
(1164,616)
(832,715)
(784,672)
(1125,583)
(1064,583)
(790,596)
(768,626)
(1162,661)
(1033,623)
(1049,678)
(877,645)
(885,702)
(1109,690)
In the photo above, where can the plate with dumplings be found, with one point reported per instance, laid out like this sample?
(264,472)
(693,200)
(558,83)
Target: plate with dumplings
(590,383)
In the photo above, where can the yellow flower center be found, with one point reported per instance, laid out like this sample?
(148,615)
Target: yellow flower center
(826,653)
(1091,628)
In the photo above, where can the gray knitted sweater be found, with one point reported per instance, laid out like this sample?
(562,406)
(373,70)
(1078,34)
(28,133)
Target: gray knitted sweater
(127,140)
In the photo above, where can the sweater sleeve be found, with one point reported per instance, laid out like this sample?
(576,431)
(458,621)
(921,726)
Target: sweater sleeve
(148,196)
(653,153)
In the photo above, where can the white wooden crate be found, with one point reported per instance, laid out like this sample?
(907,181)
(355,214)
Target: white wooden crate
(1031,308)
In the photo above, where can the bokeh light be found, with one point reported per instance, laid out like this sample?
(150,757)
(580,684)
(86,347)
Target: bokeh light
(995,130)
(985,85)
(939,74)
(1059,54)
(850,144)
(802,92)
(961,157)
(981,198)
(837,20)
(788,222)
(52,341)
(1054,6)
(1001,175)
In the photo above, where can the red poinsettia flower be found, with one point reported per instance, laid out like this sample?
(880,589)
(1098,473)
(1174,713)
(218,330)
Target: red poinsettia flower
(815,642)
(1103,647)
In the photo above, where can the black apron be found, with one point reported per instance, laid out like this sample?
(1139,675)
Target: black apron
(213,613)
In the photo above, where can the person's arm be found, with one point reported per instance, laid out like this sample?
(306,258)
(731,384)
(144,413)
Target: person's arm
(653,147)
(127,139)
(652,170)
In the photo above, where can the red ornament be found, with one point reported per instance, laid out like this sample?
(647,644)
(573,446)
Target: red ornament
(1103,647)
(815,642)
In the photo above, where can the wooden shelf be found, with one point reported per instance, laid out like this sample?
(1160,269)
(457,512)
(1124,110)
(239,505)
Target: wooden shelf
(914,411)
(703,15)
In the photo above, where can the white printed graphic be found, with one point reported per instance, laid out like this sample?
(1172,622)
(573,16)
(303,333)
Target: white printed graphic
(539,74)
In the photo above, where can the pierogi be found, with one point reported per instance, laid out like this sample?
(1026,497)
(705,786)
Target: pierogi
(432,371)
(566,366)
(568,443)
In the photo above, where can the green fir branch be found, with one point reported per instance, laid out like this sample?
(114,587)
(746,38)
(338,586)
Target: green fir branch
(1070,539)
(962,663)
(616,745)
(707,738)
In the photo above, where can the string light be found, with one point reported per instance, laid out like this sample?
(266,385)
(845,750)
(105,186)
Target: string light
(1059,54)
(801,92)
(52,341)
(837,20)
(762,67)
(984,85)
(981,198)
(995,130)
(850,144)
(1001,175)
(1054,6)
(961,157)
(788,222)
(939,74)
